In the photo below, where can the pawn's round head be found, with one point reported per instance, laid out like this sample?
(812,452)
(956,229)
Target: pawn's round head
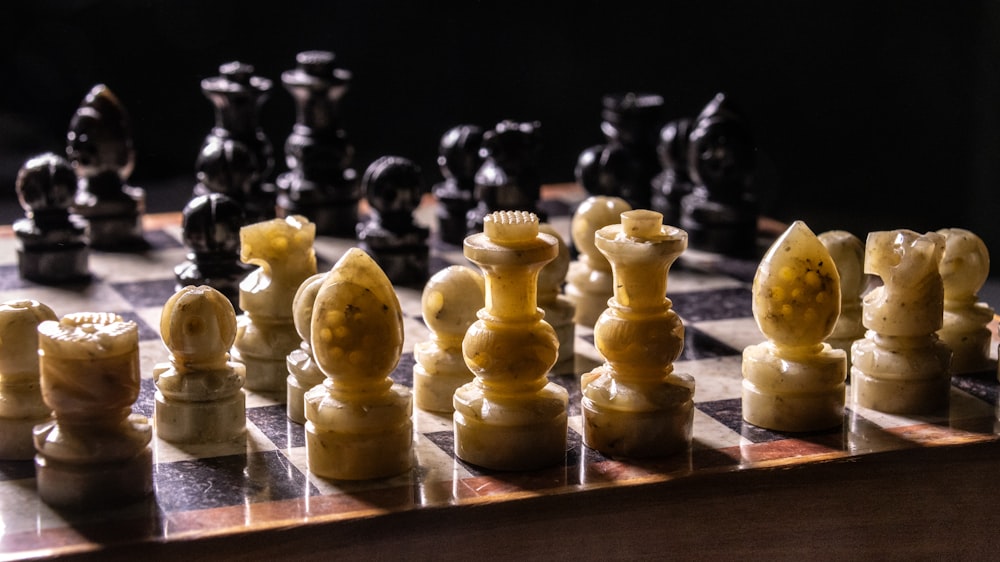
(451,299)
(198,324)
(458,154)
(19,320)
(227,166)
(46,182)
(211,224)
(593,214)
(965,265)
(393,183)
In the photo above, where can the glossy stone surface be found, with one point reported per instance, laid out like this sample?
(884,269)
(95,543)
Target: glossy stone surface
(964,269)
(635,405)
(795,381)
(510,417)
(589,281)
(848,253)
(901,366)
(199,396)
(359,422)
(21,404)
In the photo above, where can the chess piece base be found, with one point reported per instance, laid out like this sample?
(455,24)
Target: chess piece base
(435,392)
(59,264)
(16,441)
(91,485)
(209,421)
(303,375)
(524,434)
(623,420)
(901,375)
(358,437)
(793,394)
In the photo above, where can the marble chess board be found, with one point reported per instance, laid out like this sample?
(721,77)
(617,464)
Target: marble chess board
(262,484)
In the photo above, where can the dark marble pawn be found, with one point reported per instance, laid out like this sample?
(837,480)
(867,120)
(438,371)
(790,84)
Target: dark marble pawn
(321,183)
(211,232)
(624,166)
(237,143)
(393,187)
(673,183)
(459,159)
(720,214)
(99,146)
(51,241)
(509,178)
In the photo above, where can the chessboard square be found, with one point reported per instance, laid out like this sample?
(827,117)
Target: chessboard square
(701,345)
(146,332)
(145,403)
(16,470)
(715,379)
(737,333)
(710,433)
(136,266)
(717,304)
(274,423)
(10,278)
(403,373)
(571,383)
(686,281)
(160,240)
(146,293)
(983,386)
(226,481)
(729,412)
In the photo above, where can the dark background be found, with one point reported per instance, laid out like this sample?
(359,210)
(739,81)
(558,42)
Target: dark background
(867,115)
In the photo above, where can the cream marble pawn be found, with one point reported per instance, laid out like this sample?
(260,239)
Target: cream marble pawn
(964,269)
(589,281)
(635,405)
(848,253)
(95,452)
(283,251)
(21,404)
(901,366)
(558,308)
(199,393)
(359,422)
(795,381)
(303,372)
(449,303)
(511,417)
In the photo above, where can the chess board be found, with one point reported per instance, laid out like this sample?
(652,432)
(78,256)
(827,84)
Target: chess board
(235,491)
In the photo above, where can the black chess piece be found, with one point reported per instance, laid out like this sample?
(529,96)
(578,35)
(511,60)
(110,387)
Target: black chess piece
(509,178)
(625,164)
(720,214)
(459,159)
(394,187)
(321,183)
(236,157)
(673,183)
(99,147)
(211,232)
(51,240)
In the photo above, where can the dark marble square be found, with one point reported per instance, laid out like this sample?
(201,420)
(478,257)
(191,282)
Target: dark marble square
(571,383)
(229,480)
(983,386)
(17,470)
(146,332)
(10,278)
(160,240)
(403,373)
(145,404)
(717,304)
(729,413)
(154,292)
(273,422)
(699,345)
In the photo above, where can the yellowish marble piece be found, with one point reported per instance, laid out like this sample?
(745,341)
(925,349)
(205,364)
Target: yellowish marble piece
(901,366)
(511,417)
(359,422)
(303,372)
(795,381)
(589,279)
(558,308)
(95,452)
(964,269)
(635,405)
(449,303)
(21,404)
(848,253)
(199,393)
(282,250)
